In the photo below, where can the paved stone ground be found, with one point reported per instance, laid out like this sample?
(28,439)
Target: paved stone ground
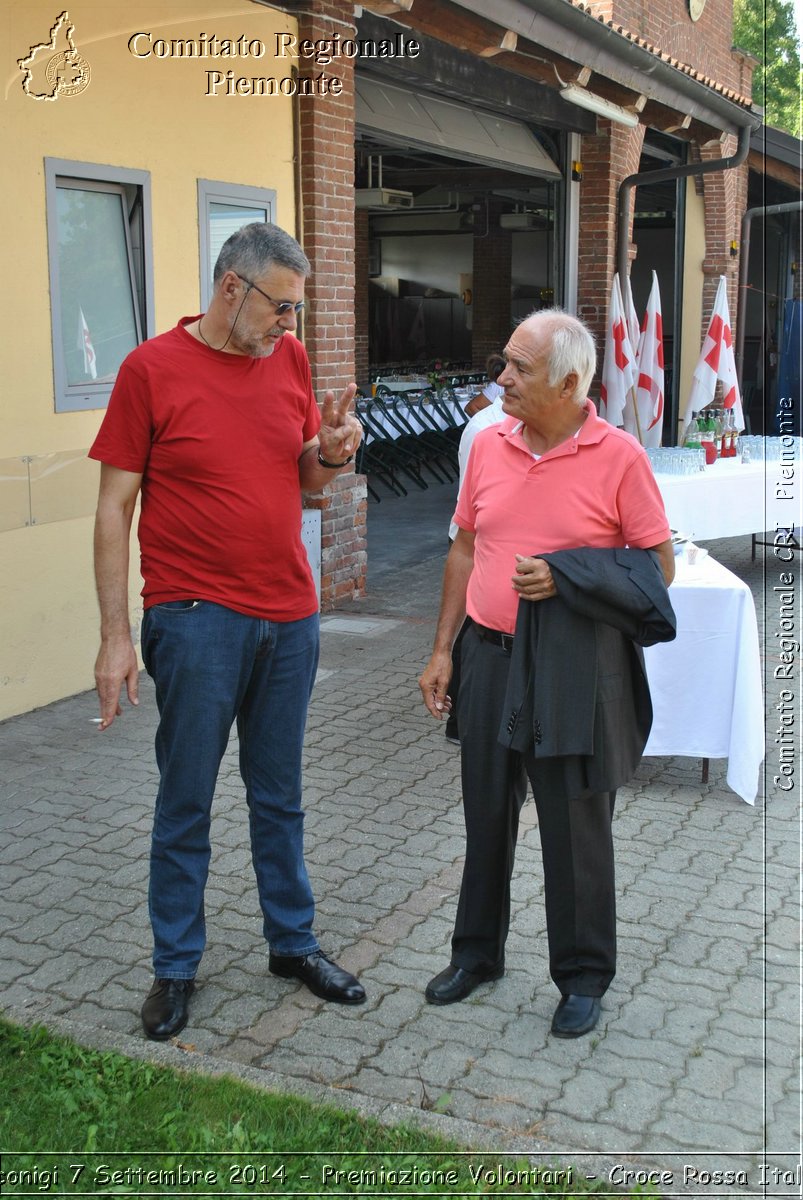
(695,1060)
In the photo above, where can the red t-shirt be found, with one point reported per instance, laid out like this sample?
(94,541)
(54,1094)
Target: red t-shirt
(595,489)
(217,438)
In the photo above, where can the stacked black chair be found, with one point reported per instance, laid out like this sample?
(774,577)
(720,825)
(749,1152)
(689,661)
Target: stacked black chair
(384,454)
(448,407)
(417,438)
(421,415)
(407,435)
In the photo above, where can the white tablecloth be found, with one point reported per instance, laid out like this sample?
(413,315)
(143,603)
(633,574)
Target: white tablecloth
(404,383)
(706,685)
(731,498)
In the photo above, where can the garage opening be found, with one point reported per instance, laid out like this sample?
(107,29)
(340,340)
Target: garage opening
(459,232)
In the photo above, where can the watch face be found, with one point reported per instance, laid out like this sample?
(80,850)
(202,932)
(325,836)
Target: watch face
(696,9)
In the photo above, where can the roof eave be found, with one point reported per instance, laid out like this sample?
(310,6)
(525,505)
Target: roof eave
(560,25)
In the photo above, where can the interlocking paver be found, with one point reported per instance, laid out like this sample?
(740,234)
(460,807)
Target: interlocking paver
(696,1030)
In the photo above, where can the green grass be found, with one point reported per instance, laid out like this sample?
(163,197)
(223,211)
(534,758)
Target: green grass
(75,1121)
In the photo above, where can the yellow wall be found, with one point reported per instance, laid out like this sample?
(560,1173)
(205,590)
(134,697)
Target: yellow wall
(692,300)
(149,114)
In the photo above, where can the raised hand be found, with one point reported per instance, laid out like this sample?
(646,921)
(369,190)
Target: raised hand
(340,431)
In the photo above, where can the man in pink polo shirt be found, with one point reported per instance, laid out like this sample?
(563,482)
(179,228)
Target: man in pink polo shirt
(551,477)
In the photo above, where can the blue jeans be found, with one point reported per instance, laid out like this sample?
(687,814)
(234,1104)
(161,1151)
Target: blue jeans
(212,666)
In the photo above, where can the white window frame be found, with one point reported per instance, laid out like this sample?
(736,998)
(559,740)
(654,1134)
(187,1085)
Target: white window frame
(213,191)
(61,172)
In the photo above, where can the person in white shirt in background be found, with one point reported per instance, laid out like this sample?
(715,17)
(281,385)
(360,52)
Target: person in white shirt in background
(494,366)
(491,414)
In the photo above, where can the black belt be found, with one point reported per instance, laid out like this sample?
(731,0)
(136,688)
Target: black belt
(495,637)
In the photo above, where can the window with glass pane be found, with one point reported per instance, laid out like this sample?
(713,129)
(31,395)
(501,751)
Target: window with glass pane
(226,219)
(223,208)
(98,308)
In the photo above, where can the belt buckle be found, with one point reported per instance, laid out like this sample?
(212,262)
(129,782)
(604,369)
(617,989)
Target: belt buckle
(507,643)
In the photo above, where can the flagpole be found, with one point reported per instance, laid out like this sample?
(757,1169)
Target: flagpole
(631,320)
(618,362)
(634,400)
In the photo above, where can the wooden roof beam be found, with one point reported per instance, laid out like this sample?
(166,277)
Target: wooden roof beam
(389,8)
(667,120)
(508,41)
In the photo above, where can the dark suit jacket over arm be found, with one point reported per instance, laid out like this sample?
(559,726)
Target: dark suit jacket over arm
(577,697)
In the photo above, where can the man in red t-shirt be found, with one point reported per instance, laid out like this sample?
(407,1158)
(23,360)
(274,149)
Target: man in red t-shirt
(215,426)
(551,477)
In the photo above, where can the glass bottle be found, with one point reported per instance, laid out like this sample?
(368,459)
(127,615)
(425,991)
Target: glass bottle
(691,434)
(734,445)
(719,431)
(707,433)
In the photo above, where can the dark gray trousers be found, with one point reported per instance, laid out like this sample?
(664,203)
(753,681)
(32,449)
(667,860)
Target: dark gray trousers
(576,844)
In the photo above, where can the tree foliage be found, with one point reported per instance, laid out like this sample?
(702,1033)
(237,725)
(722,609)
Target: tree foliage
(769,32)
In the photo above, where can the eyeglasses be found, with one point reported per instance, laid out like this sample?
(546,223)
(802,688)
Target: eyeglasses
(282,306)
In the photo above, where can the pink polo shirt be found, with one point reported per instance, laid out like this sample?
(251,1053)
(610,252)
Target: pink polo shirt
(595,489)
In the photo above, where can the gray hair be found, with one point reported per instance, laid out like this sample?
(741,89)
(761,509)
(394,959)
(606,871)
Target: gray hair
(572,349)
(255,248)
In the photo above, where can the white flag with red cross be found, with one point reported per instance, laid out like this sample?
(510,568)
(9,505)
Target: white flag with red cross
(619,364)
(717,363)
(646,419)
(85,344)
(630,313)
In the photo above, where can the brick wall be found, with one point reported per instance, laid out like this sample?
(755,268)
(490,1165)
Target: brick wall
(704,44)
(725,194)
(326,158)
(608,158)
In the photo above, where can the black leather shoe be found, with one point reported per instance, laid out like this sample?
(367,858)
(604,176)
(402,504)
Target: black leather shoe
(455,984)
(323,977)
(575,1015)
(166,1009)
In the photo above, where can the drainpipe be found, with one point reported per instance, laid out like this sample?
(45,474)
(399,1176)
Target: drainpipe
(663,175)
(747,220)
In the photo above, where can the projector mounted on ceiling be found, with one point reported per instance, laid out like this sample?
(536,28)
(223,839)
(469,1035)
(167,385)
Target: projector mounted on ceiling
(382,197)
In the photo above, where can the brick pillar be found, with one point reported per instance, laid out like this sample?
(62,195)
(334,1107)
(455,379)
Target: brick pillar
(326,152)
(608,157)
(491,294)
(361,314)
(725,195)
